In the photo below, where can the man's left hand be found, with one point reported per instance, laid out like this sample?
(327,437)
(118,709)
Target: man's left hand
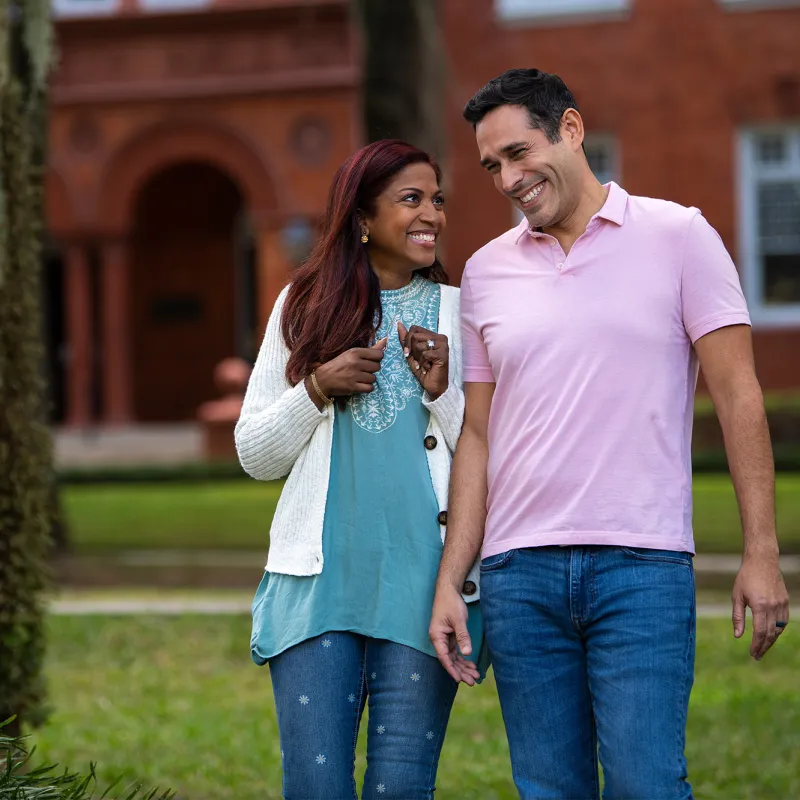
(760,585)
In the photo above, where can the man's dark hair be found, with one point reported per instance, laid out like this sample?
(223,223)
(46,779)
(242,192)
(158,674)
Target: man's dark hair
(544,96)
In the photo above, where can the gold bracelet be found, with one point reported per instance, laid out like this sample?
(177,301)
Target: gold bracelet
(322,396)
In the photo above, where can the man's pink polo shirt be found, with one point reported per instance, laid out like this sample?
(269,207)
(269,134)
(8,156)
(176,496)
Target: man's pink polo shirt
(595,373)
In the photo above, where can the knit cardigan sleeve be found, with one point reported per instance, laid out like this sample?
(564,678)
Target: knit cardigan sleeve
(277,419)
(448,408)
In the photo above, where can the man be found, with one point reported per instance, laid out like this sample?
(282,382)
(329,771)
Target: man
(582,332)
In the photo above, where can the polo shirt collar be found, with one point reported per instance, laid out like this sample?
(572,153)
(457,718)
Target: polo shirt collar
(613,210)
(614,207)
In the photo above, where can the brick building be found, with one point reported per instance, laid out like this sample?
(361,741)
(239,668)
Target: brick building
(190,150)
(192,143)
(696,101)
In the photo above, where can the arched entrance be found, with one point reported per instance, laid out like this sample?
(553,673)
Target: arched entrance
(173,266)
(190,261)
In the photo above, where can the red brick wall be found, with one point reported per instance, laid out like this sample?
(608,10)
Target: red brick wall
(673,82)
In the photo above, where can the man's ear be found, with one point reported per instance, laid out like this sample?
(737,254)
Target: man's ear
(572,128)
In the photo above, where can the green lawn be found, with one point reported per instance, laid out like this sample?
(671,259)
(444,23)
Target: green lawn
(176,702)
(237,514)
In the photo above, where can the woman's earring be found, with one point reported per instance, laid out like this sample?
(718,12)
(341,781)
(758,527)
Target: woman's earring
(364,236)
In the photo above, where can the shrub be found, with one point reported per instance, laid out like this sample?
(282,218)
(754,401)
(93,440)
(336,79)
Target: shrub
(153,473)
(19,780)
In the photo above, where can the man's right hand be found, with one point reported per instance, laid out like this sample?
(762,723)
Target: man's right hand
(448,633)
(350,373)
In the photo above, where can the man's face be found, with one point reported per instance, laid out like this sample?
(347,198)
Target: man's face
(540,178)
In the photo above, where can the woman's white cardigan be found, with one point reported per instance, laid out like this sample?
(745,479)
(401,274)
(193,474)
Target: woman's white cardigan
(281,432)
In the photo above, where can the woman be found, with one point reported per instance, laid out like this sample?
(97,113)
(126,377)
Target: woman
(356,394)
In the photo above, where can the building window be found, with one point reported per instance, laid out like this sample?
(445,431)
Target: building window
(172,5)
(601,153)
(85,8)
(769,224)
(558,10)
(755,5)
(96,8)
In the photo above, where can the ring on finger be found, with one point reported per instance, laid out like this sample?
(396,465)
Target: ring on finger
(780,624)
(431,344)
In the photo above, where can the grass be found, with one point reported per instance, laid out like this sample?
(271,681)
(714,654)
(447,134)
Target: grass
(176,702)
(227,515)
(716,514)
(237,515)
(773,401)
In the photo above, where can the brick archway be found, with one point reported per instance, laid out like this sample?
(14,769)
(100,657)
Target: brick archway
(148,153)
(180,140)
(59,207)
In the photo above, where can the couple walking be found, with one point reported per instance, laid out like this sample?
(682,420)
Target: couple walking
(501,474)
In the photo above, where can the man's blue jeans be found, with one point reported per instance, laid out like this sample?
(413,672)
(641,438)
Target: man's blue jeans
(321,687)
(593,651)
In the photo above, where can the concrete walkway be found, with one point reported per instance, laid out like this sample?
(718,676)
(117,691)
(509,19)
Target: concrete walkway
(717,564)
(173,582)
(729,565)
(108,605)
(125,445)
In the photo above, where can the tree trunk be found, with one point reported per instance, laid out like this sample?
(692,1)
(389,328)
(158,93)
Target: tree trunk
(26,471)
(403,67)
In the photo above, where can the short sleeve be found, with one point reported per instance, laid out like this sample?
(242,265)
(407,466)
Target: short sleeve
(477,368)
(711,295)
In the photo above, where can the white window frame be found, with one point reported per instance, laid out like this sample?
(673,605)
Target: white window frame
(173,5)
(757,5)
(106,8)
(749,173)
(85,8)
(558,11)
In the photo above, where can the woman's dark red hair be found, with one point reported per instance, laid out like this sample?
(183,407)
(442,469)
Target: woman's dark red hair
(333,302)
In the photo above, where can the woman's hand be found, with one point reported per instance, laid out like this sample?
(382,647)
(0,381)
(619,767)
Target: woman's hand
(429,364)
(351,372)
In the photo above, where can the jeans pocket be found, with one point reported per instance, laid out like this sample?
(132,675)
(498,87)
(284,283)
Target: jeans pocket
(497,561)
(659,556)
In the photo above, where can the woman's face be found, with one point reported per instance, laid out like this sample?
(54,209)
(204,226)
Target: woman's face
(409,217)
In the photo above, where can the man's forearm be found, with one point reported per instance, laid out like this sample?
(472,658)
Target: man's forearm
(747,443)
(467,509)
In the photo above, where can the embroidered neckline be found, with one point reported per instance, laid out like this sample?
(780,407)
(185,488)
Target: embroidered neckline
(416,303)
(411,289)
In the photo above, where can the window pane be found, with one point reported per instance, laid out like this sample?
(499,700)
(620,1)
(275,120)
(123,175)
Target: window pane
(782,279)
(771,148)
(779,217)
(600,155)
(522,9)
(779,229)
(598,159)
